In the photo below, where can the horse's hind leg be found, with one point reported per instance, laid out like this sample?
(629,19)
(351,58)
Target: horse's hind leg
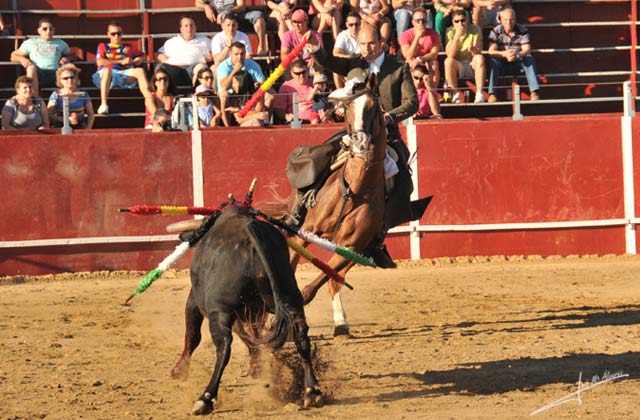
(220,327)
(193,320)
(312,394)
(341,326)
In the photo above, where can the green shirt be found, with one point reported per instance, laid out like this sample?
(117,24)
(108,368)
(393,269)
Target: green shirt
(474,33)
(45,54)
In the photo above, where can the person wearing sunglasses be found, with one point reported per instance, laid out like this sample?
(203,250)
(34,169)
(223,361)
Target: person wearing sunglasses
(301,84)
(464,55)
(421,45)
(443,14)
(292,38)
(510,53)
(42,56)
(118,66)
(428,106)
(80,107)
(346,44)
(159,104)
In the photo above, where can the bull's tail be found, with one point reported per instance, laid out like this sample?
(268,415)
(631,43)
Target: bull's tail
(280,329)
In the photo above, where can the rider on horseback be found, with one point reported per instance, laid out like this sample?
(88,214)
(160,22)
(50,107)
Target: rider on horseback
(399,100)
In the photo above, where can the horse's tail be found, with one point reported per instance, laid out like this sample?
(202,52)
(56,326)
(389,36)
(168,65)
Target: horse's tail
(276,207)
(276,264)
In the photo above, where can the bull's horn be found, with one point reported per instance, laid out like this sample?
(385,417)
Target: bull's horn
(184,225)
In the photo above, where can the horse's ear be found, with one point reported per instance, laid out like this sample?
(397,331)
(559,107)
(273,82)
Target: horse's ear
(372,81)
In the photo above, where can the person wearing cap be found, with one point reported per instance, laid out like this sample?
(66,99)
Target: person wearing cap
(301,84)
(398,99)
(318,96)
(208,115)
(292,38)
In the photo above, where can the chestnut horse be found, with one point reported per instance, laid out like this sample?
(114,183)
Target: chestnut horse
(350,204)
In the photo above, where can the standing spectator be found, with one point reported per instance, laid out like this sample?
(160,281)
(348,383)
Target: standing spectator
(301,84)
(464,55)
(281,12)
(24,111)
(485,12)
(236,62)
(221,42)
(42,56)
(428,105)
(326,14)
(346,44)
(421,45)
(374,12)
(80,107)
(116,63)
(185,54)
(215,10)
(159,105)
(292,38)
(510,53)
(443,14)
(402,13)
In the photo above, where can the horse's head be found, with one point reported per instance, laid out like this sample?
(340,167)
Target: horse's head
(363,115)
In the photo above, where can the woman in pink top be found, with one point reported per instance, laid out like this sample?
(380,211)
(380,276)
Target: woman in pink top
(428,106)
(374,12)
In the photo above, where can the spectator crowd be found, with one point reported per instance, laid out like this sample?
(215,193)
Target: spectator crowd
(221,73)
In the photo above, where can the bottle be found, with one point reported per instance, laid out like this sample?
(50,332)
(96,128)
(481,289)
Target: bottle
(446,95)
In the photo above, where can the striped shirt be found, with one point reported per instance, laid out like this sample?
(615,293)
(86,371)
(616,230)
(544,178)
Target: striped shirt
(505,42)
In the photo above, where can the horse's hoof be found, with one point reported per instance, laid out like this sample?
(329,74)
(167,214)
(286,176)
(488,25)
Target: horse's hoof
(313,398)
(341,331)
(180,371)
(201,407)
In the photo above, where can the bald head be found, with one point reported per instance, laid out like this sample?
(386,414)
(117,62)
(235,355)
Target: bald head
(369,40)
(508,19)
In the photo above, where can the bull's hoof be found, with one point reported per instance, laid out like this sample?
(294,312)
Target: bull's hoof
(313,398)
(341,331)
(202,406)
(181,370)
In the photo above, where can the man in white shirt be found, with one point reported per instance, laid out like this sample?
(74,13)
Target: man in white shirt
(346,44)
(184,55)
(221,42)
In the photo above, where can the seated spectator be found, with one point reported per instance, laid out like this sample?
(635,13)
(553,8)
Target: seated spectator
(464,55)
(208,115)
(185,54)
(428,105)
(374,12)
(318,96)
(227,70)
(443,15)
(421,45)
(117,63)
(205,77)
(4,30)
(80,107)
(24,111)
(221,42)
(292,38)
(326,14)
(281,11)
(346,44)
(42,56)
(159,105)
(243,86)
(402,13)
(215,10)
(301,84)
(510,53)
(485,12)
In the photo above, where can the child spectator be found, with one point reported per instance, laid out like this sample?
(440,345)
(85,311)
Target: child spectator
(116,63)
(24,111)
(42,56)
(319,97)
(428,105)
(208,115)
(80,107)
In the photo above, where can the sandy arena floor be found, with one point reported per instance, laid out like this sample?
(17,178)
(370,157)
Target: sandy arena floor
(439,339)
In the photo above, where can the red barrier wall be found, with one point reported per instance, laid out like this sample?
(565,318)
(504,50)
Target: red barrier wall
(500,171)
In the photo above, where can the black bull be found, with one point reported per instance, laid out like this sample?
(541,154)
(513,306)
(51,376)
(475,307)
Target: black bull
(240,269)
